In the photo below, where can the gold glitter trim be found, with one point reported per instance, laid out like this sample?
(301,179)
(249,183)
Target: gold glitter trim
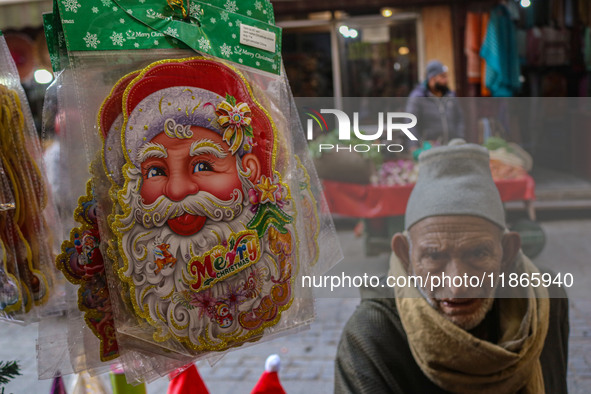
(153,148)
(100,131)
(63,257)
(315,209)
(158,313)
(145,249)
(221,250)
(206,143)
(173,321)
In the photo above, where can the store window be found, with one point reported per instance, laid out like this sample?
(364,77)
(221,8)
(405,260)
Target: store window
(379,57)
(308,62)
(354,57)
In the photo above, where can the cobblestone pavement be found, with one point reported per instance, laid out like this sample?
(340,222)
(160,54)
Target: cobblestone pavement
(568,250)
(579,347)
(307,356)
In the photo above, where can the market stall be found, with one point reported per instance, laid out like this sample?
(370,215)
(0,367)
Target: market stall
(381,200)
(382,209)
(376,201)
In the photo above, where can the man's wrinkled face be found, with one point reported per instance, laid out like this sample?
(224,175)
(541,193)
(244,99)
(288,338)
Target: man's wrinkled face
(178,168)
(462,246)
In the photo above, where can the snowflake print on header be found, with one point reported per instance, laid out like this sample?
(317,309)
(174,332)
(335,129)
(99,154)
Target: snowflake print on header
(171,32)
(231,6)
(117,39)
(71,5)
(91,40)
(226,50)
(204,44)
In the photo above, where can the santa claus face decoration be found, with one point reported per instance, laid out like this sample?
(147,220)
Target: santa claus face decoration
(179,168)
(207,225)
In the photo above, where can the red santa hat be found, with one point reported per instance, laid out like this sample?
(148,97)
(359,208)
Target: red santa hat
(110,122)
(187,382)
(269,381)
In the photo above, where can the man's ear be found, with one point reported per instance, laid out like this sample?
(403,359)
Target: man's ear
(251,164)
(511,243)
(401,248)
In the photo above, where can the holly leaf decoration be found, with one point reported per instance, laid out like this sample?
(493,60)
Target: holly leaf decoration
(269,215)
(248,131)
(231,100)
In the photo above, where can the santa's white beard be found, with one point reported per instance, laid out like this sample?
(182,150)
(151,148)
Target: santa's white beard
(144,228)
(148,227)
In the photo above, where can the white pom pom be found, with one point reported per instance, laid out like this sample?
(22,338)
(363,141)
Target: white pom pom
(273,363)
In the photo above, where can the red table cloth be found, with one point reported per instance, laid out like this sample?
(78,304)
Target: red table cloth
(368,201)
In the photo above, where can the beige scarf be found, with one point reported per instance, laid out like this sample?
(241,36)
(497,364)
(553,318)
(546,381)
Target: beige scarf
(459,362)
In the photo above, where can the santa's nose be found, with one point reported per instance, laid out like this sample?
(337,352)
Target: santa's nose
(179,187)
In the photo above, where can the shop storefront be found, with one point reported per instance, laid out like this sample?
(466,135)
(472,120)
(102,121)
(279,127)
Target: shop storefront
(180,179)
(363,56)
(381,51)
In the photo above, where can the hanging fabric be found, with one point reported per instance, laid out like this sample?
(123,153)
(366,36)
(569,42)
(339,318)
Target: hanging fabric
(484,91)
(500,53)
(473,41)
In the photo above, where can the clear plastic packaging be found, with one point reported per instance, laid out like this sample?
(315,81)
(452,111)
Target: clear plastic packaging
(11,296)
(28,240)
(207,206)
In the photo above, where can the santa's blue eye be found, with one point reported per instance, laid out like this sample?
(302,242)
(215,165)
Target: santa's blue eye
(155,171)
(202,166)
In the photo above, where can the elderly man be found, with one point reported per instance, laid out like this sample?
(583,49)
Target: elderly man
(461,339)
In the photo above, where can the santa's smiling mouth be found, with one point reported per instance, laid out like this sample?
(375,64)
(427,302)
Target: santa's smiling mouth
(186,224)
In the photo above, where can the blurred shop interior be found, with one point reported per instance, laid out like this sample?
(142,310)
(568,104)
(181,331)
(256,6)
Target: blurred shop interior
(379,48)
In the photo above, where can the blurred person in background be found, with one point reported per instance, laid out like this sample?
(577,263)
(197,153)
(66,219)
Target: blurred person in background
(436,107)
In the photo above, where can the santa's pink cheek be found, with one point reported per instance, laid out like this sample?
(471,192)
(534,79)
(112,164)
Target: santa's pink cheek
(222,188)
(150,191)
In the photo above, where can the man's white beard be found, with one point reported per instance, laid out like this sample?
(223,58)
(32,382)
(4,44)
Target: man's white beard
(144,227)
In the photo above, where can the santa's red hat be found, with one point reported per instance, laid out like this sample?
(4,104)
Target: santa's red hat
(172,95)
(269,381)
(110,122)
(187,382)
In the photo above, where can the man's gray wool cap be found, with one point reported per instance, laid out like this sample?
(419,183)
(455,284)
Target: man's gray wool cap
(434,67)
(455,180)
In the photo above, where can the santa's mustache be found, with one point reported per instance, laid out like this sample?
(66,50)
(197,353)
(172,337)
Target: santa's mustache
(201,204)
